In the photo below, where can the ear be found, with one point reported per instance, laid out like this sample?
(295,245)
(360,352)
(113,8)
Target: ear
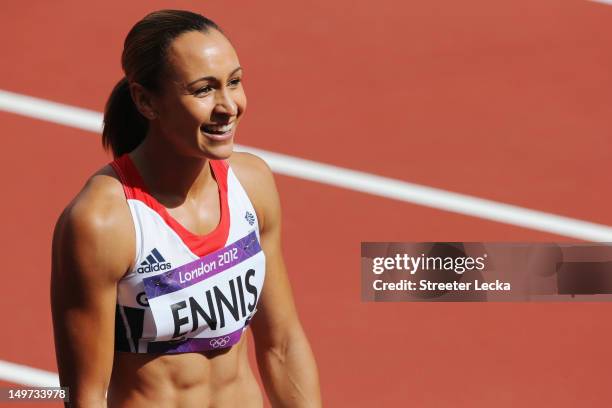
(143,99)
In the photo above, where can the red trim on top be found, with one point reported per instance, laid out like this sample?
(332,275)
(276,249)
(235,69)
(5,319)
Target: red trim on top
(225,165)
(134,188)
(126,188)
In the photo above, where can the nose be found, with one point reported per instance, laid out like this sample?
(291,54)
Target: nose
(225,105)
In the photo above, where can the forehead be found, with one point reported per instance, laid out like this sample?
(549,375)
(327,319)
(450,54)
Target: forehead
(194,54)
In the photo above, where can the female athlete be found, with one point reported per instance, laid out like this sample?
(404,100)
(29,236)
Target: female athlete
(159,263)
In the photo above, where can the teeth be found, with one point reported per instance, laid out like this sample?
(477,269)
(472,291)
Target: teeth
(219,129)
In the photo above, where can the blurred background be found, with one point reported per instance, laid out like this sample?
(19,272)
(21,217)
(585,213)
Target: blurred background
(506,101)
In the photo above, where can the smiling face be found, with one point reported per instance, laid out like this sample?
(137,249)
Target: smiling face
(201,99)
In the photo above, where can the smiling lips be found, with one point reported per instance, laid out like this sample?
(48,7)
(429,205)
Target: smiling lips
(219,132)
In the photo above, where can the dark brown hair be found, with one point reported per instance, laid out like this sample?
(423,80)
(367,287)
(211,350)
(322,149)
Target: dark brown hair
(143,59)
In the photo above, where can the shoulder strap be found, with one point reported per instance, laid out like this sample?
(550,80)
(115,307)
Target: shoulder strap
(125,174)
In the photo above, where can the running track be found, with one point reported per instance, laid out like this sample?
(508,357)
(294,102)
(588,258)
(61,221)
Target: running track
(506,101)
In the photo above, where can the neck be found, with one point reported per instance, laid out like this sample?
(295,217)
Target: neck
(170,177)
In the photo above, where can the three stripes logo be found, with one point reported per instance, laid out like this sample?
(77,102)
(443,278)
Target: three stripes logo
(154,262)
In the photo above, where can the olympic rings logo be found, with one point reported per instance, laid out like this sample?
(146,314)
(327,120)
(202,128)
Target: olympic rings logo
(219,342)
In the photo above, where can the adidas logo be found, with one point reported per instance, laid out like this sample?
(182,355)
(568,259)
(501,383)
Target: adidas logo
(250,218)
(154,262)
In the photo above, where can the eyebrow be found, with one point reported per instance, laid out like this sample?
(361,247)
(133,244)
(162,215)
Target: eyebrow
(209,78)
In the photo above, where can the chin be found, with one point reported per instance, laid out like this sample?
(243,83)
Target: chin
(221,152)
(216,149)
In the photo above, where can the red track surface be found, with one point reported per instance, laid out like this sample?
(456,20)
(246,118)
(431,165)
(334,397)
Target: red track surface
(507,101)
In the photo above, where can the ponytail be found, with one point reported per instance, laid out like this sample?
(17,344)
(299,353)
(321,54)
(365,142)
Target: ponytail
(124,127)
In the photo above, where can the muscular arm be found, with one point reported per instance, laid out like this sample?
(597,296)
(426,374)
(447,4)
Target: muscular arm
(91,248)
(285,359)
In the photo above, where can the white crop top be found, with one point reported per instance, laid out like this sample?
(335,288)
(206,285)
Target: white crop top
(188,292)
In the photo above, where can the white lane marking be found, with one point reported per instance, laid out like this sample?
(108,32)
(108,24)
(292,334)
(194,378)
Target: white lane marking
(609,2)
(20,374)
(51,111)
(346,178)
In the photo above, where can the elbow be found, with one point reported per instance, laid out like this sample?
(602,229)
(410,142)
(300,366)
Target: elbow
(284,347)
(277,341)
(86,401)
(84,395)
(273,351)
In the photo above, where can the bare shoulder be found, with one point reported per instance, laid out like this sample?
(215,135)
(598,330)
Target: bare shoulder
(257,179)
(96,223)
(250,169)
(100,203)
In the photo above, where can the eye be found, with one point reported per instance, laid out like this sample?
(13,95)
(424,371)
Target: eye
(203,91)
(235,82)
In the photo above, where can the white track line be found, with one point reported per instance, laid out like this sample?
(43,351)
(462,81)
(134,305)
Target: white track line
(346,178)
(51,111)
(20,374)
(609,2)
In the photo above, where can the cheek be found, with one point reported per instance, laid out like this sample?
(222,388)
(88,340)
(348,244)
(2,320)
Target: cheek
(241,101)
(199,110)
(190,112)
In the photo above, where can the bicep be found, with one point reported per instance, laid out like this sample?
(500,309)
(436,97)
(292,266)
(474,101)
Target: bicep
(277,316)
(276,310)
(87,262)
